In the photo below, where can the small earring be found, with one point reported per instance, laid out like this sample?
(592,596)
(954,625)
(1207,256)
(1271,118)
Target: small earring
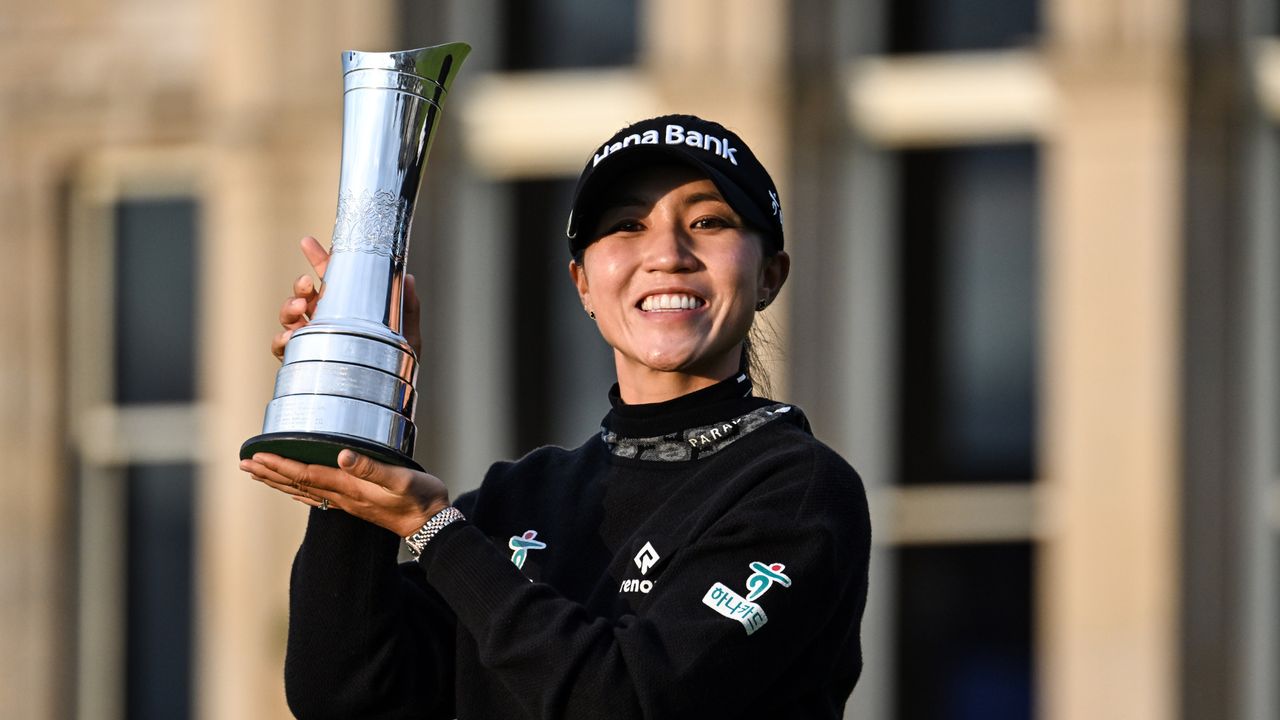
(762,304)
(591,314)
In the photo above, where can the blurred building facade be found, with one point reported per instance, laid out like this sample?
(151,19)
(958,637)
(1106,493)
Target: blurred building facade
(1034,301)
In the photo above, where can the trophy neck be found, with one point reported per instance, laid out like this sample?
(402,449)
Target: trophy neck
(391,108)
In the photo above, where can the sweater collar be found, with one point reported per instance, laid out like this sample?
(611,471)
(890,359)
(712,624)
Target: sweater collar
(726,399)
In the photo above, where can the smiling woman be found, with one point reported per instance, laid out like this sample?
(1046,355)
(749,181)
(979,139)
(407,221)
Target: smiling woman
(702,555)
(674,278)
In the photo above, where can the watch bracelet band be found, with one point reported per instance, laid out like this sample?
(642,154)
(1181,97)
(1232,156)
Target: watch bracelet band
(417,542)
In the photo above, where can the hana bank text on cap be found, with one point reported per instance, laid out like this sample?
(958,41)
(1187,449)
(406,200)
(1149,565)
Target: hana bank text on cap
(707,146)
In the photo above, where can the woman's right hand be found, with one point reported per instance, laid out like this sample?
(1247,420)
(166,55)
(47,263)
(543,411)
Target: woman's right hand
(299,307)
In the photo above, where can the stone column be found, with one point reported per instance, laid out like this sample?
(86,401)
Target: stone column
(1108,579)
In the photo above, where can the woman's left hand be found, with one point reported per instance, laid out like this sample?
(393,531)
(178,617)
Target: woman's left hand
(396,498)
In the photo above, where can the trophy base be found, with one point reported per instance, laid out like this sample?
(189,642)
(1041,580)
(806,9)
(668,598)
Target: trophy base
(316,448)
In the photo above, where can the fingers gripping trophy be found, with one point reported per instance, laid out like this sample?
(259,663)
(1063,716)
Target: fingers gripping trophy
(348,375)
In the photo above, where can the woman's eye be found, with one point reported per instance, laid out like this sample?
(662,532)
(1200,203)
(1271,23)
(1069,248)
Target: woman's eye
(710,221)
(624,226)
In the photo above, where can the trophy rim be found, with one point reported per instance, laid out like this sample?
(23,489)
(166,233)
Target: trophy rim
(409,62)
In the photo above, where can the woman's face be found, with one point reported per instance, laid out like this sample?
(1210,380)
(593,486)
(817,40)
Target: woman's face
(674,276)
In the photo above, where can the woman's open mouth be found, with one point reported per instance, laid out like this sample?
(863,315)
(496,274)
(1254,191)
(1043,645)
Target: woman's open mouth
(671,302)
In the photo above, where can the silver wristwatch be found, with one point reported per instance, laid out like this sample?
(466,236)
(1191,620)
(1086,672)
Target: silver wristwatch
(418,541)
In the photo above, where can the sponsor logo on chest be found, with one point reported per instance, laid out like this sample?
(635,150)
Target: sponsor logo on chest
(522,544)
(749,614)
(644,560)
(631,585)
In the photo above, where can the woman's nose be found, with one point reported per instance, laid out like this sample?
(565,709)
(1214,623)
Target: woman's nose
(667,249)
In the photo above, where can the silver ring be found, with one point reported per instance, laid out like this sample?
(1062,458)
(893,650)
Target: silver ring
(324,503)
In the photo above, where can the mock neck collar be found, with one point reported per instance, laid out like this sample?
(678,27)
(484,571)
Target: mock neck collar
(726,399)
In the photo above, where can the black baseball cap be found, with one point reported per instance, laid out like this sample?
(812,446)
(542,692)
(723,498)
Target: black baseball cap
(705,145)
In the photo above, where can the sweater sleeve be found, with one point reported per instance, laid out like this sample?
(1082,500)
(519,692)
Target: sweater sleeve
(701,643)
(367,638)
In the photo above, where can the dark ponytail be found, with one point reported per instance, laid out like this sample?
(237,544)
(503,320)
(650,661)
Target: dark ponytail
(761,343)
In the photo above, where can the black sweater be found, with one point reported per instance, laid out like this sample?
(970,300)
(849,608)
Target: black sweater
(703,557)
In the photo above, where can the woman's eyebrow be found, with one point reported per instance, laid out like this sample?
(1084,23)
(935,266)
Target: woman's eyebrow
(625,201)
(696,198)
(628,201)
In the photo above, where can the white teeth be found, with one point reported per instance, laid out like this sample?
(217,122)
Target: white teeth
(670,302)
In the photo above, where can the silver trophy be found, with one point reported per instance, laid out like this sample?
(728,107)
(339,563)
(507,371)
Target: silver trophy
(348,375)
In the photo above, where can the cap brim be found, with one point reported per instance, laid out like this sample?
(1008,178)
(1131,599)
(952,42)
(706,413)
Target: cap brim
(586,203)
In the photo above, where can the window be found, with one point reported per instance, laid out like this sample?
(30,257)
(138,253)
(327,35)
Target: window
(964,632)
(132,346)
(159,518)
(154,301)
(968,290)
(569,33)
(919,26)
(967,236)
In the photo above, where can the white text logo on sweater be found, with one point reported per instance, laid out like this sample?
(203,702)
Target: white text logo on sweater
(645,560)
(522,544)
(674,135)
(735,607)
(725,430)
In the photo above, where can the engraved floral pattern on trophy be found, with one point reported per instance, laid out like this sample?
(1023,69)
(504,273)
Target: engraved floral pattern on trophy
(376,223)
